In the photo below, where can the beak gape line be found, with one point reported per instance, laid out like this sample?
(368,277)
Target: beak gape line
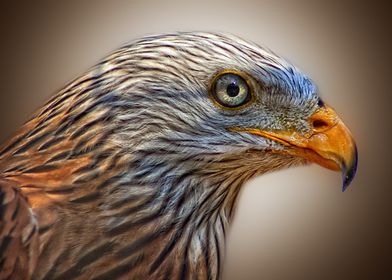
(329,145)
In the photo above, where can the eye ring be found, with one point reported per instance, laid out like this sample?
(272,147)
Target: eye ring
(231,89)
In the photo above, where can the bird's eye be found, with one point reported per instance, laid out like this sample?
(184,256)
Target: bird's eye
(230,90)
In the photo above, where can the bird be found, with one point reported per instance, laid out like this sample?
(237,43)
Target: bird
(133,170)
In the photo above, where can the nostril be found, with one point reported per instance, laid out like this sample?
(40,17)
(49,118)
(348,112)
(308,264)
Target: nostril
(320,124)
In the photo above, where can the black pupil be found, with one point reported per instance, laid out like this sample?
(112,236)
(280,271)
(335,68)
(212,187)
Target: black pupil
(233,90)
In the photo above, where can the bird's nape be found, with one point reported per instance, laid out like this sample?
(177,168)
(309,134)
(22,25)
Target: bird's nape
(133,169)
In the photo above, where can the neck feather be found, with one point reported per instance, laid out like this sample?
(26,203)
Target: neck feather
(179,208)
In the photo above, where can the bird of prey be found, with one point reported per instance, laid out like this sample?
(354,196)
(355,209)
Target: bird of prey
(133,170)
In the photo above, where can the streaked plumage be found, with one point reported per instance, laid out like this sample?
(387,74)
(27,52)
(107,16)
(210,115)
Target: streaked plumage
(132,171)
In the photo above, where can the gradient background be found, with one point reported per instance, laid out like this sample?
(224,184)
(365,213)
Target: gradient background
(293,224)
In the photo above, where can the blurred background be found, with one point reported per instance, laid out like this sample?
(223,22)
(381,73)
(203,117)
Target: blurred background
(293,224)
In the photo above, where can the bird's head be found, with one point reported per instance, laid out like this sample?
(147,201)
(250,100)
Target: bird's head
(219,97)
(142,158)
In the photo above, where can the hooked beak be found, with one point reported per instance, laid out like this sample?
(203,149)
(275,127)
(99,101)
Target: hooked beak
(330,143)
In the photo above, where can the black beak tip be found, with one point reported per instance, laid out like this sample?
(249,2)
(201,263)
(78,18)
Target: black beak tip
(348,171)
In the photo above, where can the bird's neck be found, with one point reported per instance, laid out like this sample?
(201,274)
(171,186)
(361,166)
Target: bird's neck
(181,214)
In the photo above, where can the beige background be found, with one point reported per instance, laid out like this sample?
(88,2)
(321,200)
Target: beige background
(294,224)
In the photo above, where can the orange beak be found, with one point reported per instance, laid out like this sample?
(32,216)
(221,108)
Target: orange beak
(329,144)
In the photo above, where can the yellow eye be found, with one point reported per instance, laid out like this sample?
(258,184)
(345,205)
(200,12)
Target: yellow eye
(230,90)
